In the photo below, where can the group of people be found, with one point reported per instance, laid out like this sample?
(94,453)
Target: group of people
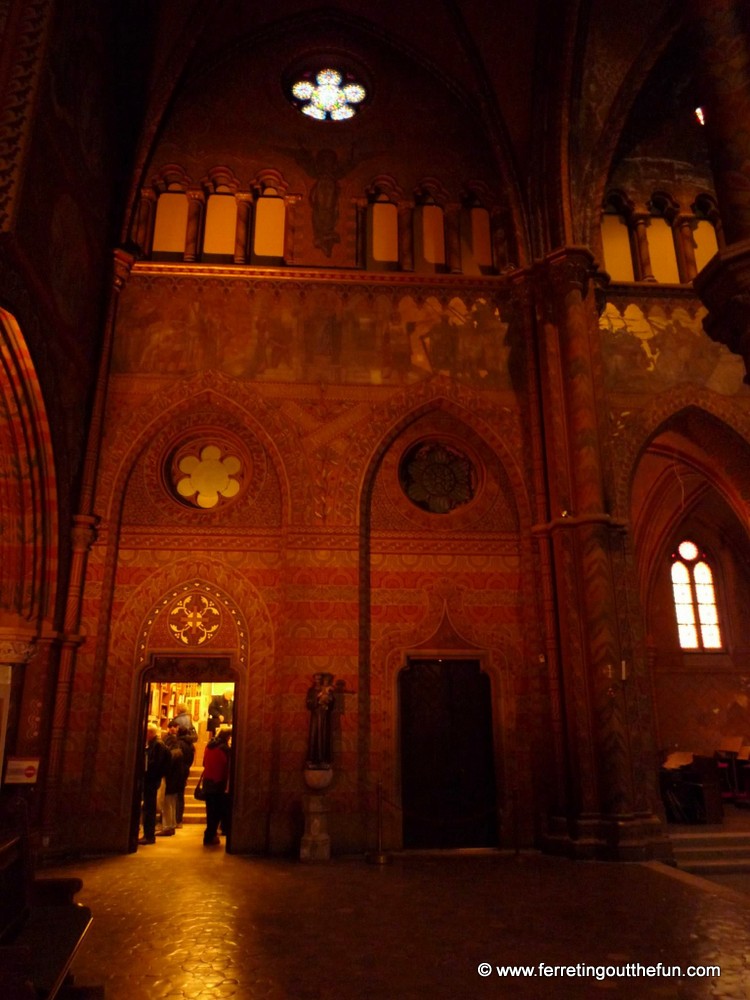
(169,758)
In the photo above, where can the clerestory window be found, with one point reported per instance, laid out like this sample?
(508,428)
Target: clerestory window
(694,596)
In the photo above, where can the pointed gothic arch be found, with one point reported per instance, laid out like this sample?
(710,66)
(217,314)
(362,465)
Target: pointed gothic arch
(440,577)
(28,490)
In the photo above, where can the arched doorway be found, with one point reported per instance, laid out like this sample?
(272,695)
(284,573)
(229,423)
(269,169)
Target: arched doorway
(28,544)
(447,757)
(197,681)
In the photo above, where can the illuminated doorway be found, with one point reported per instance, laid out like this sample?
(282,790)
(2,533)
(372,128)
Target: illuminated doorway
(206,687)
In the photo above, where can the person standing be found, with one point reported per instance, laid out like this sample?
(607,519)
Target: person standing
(174,781)
(187,745)
(158,761)
(220,711)
(183,718)
(215,783)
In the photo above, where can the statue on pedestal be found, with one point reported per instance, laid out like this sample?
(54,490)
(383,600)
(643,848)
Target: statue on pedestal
(320,701)
(318,771)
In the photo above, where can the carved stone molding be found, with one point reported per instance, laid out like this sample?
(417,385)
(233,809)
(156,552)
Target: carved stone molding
(16,651)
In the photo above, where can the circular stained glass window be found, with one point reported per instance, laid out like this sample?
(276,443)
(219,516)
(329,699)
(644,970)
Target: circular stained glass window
(327,95)
(205,474)
(688,550)
(437,477)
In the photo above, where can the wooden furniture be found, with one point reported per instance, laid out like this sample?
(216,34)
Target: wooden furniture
(691,790)
(41,929)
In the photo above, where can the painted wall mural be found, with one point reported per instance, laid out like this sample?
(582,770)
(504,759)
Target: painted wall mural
(282,334)
(652,345)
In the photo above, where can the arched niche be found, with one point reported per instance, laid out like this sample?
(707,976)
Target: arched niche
(691,482)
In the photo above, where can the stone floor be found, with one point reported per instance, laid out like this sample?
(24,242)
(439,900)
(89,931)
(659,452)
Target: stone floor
(180,920)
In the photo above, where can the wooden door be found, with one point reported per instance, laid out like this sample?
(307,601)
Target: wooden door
(447,761)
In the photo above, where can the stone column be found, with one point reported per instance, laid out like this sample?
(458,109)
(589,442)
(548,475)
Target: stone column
(724,72)
(144,228)
(291,233)
(609,811)
(639,223)
(682,226)
(453,238)
(196,204)
(406,236)
(83,535)
(244,202)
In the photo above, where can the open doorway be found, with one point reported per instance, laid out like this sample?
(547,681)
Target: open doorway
(447,761)
(190,702)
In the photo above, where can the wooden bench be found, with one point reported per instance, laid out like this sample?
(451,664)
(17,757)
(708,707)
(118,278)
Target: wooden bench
(41,929)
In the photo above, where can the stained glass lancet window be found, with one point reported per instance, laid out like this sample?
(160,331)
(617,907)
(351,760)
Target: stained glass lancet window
(328,97)
(695,599)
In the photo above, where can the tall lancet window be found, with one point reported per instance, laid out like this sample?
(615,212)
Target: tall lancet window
(695,599)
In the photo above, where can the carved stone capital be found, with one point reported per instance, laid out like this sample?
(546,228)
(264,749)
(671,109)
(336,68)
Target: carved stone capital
(571,268)
(83,532)
(16,651)
(123,265)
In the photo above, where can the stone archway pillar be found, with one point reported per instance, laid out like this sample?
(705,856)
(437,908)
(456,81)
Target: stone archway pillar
(724,69)
(609,802)
(83,536)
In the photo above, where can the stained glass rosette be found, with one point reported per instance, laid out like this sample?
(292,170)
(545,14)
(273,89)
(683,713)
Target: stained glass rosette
(327,98)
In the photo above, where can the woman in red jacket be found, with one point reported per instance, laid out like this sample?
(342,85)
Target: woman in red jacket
(215,781)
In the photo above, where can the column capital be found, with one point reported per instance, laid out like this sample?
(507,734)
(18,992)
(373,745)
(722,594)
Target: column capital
(574,268)
(15,648)
(123,265)
(83,532)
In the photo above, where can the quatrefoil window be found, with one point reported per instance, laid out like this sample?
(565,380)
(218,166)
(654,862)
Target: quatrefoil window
(206,477)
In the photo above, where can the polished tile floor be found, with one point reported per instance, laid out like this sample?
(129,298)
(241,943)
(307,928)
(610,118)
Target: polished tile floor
(180,920)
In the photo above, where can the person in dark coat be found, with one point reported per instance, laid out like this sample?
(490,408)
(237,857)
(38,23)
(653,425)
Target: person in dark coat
(220,711)
(158,761)
(174,781)
(187,745)
(215,783)
(184,718)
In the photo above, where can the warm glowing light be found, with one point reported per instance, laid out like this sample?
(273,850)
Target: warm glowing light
(327,98)
(694,599)
(700,116)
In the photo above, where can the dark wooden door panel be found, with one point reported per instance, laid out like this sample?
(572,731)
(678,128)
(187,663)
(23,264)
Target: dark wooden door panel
(448,781)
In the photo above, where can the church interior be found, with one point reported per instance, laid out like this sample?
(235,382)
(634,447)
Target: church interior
(405,346)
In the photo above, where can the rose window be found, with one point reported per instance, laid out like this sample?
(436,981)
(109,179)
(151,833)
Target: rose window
(437,477)
(207,477)
(328,97)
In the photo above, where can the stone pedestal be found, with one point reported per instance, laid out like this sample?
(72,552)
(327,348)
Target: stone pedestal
(316,842)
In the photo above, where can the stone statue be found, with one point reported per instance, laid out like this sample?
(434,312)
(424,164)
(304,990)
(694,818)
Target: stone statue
(320,701)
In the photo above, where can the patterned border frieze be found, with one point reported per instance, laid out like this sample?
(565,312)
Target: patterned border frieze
(343,282)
